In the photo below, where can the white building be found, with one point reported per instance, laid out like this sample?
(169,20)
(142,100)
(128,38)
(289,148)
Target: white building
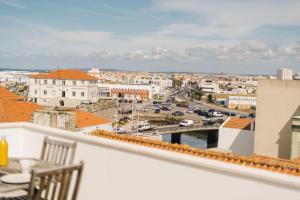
(209,86)
(241,101)
(21,77)
(237,136)
(72,86)
(284,74)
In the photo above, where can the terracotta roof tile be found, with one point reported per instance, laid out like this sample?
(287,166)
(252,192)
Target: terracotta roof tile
(239,123)
(85,119)
(6,94)
(254,161)
(65,74)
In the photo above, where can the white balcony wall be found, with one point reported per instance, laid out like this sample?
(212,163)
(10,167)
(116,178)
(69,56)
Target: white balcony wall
(117,170)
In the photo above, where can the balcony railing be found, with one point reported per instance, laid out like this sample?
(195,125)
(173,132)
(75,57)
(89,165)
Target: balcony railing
(118,170)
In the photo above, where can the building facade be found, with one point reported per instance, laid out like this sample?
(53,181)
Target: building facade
(125,92)
(277,103)
(284,74)
(74,85)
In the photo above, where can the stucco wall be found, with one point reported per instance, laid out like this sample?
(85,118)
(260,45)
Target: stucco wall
(237,140)
(117,170)
(277,102)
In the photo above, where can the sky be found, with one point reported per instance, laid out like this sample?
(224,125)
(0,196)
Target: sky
(213,36)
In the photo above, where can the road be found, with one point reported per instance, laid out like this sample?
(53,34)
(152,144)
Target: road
(183,95)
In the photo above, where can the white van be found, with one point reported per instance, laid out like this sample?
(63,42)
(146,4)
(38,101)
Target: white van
(146,126)
(186,123)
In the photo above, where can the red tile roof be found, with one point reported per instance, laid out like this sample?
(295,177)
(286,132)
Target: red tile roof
(239,123)
(6,94)
(65,74)
(85,119)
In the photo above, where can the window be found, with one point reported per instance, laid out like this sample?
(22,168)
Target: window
(53,92)
(82,82)
(53,82)
(35,91)
(82,94)
(74,82)
(73,94)
(63,82)
(45,92)
(35,80)
(45,82)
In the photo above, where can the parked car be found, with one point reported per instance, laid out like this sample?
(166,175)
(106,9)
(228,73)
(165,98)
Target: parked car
(217,114)
(166,108)
(204,113)
(144,127)
(119,130)
(207,122)
(177,113)
(186,123)
(211,110)
(219,121)
(157,111)
(189,111)
(182,105)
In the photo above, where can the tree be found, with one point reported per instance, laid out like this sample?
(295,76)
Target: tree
(210,98)
(198,95)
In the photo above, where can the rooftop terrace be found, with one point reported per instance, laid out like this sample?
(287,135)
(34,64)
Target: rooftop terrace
(125,167)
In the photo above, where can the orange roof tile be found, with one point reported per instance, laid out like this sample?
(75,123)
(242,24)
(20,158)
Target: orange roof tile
(239,123)
(65,74)
(84,119)
(17,111)
(254,161)
(6,94)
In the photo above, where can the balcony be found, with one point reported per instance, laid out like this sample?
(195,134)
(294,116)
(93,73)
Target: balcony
(120,170)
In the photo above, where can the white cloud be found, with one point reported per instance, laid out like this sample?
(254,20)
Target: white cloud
(235,15)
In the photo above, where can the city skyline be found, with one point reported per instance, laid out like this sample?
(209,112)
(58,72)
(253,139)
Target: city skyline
(254,37)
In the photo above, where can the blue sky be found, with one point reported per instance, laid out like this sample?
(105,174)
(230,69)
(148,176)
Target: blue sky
(232,36)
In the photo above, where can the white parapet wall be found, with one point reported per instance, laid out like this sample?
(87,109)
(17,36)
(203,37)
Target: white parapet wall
(118,170)
(235,140)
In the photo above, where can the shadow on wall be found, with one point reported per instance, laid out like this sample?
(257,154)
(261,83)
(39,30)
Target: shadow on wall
(243,144)
(285,134)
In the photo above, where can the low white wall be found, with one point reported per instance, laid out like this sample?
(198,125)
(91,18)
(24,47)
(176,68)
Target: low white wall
(238,141)
(117,170)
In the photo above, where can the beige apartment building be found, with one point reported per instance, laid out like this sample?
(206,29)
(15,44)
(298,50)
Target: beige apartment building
(278,101)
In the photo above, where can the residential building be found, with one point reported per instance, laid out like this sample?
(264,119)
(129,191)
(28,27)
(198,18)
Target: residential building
(126,92)
(20,77)
(68,87)
(277,103)
(237,135)
(209,86)
(15,109)
(236,101)
(284,74)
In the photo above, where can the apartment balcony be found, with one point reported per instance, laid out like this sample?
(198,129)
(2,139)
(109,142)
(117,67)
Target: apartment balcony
(117,169)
